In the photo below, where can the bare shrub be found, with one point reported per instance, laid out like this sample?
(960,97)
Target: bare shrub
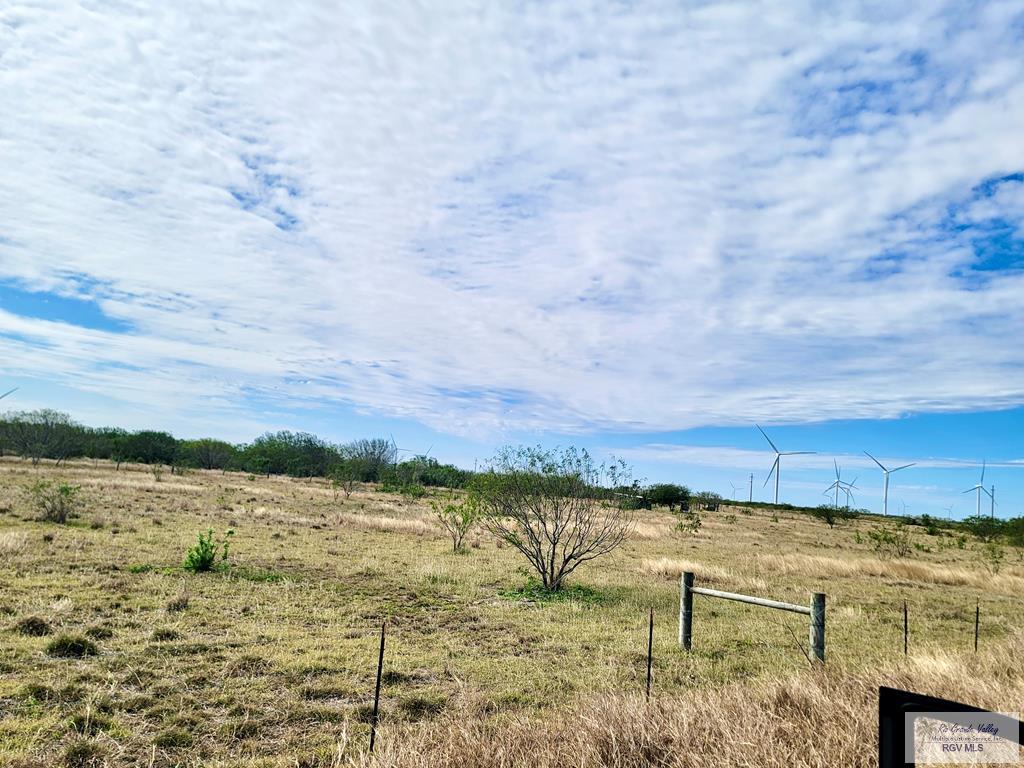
(54,500)
(553,508)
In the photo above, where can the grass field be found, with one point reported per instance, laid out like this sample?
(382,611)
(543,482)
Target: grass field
(272,662)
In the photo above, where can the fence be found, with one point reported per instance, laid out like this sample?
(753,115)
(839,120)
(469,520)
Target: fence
(816,612)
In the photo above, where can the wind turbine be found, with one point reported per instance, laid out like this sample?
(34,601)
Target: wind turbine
(751,494)
(734,489)
(949,511)
(839,485)
(886,472)
(776,465)
(979,489)
(992,497)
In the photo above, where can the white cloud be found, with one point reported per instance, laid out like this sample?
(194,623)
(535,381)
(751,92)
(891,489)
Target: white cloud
(559,216)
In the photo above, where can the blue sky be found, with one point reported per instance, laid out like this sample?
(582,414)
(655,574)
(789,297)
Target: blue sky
(636,227)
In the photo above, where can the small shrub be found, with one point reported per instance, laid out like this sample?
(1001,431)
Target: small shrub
(893,542)
(55,501)
(690,522)
(164,634)
(140,568)
(71,647)
(457,518)
(993,556)
(33,626)
(158,472)
(202,557)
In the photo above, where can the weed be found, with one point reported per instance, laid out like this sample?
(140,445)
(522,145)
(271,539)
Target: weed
(202,557)
(33,626)
(71,647)
(84,753)
(536,592)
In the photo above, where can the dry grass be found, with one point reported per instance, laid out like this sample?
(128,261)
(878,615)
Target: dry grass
(815,719)
(271,662)
(893,570)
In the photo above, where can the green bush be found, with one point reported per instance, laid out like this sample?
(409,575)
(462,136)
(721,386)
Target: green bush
(202,557)
(54,500)
(893,542)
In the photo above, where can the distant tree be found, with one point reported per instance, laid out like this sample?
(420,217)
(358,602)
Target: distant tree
(41,434)
(374,456)
(668,495)
(150,447)
(984,527)
(550,506)
(207,453)
(1013,530)
(345,474)
(707,500)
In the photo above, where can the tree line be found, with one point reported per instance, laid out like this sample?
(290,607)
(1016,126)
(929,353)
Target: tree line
(49,434)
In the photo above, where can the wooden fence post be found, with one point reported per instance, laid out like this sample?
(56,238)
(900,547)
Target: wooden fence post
(818,626)
(686,610)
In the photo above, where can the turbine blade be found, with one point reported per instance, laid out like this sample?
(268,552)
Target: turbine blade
(8,392)
(774,465)
(834,464)
(876,461)
(982,481)
(970,490)
(903,467)
(767,438)
(796,453)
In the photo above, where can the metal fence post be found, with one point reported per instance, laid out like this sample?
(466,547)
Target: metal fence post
(686,610)
(818,626)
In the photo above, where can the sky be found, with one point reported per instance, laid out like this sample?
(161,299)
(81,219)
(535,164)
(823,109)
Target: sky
(639,227)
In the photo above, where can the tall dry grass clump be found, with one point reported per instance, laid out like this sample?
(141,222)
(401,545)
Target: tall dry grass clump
(818,719)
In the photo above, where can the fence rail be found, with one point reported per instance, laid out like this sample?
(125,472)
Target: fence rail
(816,612)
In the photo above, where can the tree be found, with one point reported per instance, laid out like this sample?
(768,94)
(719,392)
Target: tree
(668,495)
(375,455)
(42,434)
(207,453)
(345,474)
(830,514)
(984,527)
(551,506)
(457,517)
(707,500)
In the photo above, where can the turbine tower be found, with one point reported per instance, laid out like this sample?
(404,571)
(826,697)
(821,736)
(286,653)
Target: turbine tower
(775,465)
(886,472)
(979,489)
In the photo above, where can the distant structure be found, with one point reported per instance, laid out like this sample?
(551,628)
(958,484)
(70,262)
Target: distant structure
(886,472)
(839,485)
(776,464)
(980,489)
